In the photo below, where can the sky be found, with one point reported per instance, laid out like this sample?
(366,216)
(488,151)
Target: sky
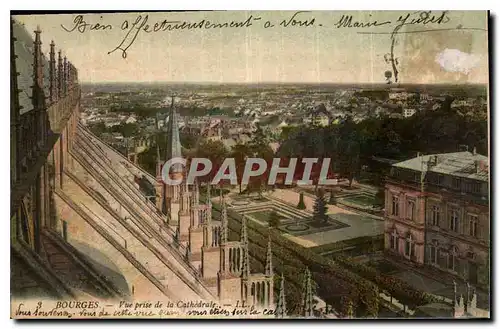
(319,53)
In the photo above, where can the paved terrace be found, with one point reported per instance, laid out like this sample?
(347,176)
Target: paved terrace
(358,225)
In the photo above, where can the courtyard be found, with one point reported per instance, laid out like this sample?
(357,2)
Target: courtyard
(298,225)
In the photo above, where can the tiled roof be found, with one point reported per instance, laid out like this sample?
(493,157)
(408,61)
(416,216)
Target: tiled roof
(461,164)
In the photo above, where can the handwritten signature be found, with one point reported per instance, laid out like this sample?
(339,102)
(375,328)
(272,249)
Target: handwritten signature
(299,19)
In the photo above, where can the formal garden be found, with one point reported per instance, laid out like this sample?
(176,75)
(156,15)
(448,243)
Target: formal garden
(296,221)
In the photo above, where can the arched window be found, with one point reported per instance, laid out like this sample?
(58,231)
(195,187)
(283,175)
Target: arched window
(435,214)
(433,250)
(394,240)
(409,246)
(452,258)
(395,206)
(454,220)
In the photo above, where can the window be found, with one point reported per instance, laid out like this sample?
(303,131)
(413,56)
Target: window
(454,220)
(452,259)
(472,187)
(395,206)
(410,209)
(440,180)
(435,216)
(434,252)
(473,219)
(409,246)
(456,183)
(394,240)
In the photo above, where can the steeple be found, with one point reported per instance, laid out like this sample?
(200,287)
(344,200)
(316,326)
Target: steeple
(194,216)
(38,97)
(208,215)
(307,302)
(183,198)
(65,76)
(244,233)
(245,272)
(60,76)
(281,303)
(52,74)
(68,77)
(158,162)
(173,139)
(195,201)
(269,259)
(223,219)
(14,109)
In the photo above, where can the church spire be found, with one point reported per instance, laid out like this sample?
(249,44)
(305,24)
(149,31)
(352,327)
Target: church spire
(307,302)
(269,258)
(281,303)
(208,215)
(38,97)
(173,139)
(195,195)
(68,77)
(223,220)
(245,272)
(52,74)
(183,198)
(244,233)
(60,76)
(14,109)
(65,76)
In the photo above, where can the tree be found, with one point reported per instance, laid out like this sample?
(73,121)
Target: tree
(274,219)
(301,205)
(320,209)
(126,129)
(259,148)
(240,152)
(98,128)
(216,152)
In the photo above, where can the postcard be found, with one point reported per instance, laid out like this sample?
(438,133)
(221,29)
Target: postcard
(250,164)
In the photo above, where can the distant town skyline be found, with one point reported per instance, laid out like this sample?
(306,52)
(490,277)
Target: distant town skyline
(326,51)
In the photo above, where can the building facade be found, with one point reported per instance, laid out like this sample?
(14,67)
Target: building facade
(437,214)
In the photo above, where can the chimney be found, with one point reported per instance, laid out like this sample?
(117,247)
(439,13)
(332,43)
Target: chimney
(433,160)
(474,151)
(463,148)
